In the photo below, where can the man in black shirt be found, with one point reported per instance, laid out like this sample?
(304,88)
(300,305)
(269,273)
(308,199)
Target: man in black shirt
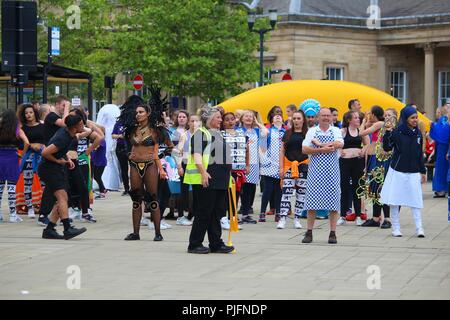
(54,120)
(52,172)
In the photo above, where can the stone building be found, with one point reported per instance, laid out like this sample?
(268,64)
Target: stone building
(401,47)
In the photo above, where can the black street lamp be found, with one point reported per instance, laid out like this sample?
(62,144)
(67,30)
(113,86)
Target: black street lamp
(273,16)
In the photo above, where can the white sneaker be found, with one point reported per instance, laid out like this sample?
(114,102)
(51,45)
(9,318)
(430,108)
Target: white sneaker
(342,221)
(1,217)
(15,219)
(163,225)
(31,214)
(420,233)
(145,222)
(74,214)
(396,233)
(183,221)
(224,223)
(282,223)
(297,224)
(359,221)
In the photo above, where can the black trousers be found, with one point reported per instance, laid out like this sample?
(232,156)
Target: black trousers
(121,153)
(351,170)
(163,195)
(98,172)
(78,187)
(247,197)
(377,210)
(209,208)
(271,192)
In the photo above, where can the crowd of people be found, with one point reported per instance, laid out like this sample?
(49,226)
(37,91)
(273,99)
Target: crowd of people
(178,162)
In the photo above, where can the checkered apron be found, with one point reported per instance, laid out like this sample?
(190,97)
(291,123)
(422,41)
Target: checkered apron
(323,191)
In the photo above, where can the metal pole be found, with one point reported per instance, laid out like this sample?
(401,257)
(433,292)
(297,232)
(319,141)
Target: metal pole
(261,57)
(90,97)
(48,66)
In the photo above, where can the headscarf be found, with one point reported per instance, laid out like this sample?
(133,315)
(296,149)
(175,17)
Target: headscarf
(407,112)
(310,107)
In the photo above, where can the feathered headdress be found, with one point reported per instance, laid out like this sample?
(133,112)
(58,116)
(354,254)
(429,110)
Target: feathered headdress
(157,105)
(128,113)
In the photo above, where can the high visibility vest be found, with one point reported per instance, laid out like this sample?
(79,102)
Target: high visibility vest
(192,175)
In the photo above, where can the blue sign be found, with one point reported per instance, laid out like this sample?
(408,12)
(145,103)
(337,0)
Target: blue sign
(55,41)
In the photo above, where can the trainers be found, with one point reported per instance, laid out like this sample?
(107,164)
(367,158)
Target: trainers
(15,219)
(248,219)
(371,223)
(359,221)
(51,234)
(125,193)
(350,216)
(224,223)
(396,233)
(341,221)
(88,218)
(308,237)
(282,223)
(262,217)
(42,220)
(364,216)
(31,214)
(74,214)
(420,233)
(386,224)
(162,225)
(145,221)
(73,232)
(132,237)
(199,250)
(297,224)
(183,221)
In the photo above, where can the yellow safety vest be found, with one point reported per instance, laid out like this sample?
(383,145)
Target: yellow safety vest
(192,175)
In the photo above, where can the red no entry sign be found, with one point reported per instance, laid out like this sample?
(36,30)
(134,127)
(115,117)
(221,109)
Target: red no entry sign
(138,82)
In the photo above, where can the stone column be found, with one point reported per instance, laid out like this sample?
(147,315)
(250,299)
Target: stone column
(429,92)
(381,68)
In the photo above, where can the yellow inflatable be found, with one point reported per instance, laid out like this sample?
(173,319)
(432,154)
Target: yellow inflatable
(335,94)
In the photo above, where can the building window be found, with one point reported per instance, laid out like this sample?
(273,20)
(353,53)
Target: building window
(335,73)
(444,87)
(398,85)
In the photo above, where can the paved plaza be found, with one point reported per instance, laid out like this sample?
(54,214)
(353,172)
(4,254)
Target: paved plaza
(268,264)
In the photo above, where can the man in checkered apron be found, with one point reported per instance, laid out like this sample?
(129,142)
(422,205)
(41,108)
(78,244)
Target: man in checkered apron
(323,192)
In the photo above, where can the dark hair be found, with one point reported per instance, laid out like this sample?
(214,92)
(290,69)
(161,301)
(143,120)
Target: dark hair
(60,99)
(347,118)
(8,126)
(289,132)
(351,103)
(378,112)
(271,113)
(333,109)
(72,120)
(176,124)
(223,118)
(80,112)
(21,113)
(221,110)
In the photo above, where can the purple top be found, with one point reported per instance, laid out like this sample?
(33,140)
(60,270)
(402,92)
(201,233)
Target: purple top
(98,156)
(119,129)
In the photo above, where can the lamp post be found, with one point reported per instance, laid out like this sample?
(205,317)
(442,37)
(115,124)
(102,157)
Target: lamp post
(251,18)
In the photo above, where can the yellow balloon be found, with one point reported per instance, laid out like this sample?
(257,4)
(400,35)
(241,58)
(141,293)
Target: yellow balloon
(329,93)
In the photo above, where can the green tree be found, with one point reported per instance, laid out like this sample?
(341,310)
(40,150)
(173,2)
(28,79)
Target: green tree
(87,48)
(189,48)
